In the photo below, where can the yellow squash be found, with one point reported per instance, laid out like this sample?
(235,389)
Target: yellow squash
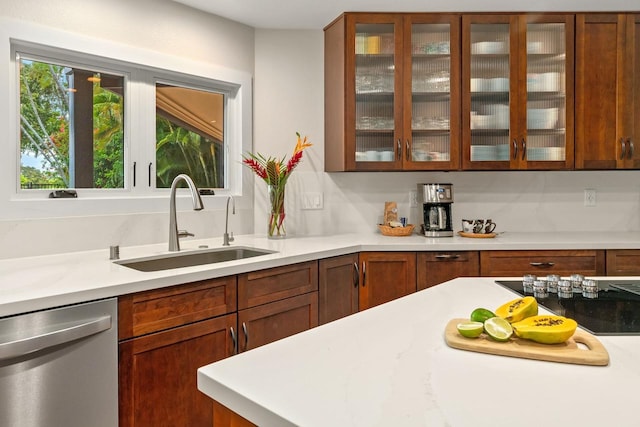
(545,329)
(518,309)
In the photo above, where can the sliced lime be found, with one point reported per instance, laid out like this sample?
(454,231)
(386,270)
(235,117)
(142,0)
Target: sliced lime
(498,328)
(470,329)
(481,314)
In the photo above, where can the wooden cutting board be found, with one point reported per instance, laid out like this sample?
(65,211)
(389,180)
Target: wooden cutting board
(567,352)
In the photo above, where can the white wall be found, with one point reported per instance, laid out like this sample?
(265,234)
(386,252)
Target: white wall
(289,68)
(288,97)
(155,29)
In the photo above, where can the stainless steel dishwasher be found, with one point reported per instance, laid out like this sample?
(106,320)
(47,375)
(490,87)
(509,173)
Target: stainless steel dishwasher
(59,367)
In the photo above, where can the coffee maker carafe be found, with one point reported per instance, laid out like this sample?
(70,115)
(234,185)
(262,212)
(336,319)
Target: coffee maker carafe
(436,206)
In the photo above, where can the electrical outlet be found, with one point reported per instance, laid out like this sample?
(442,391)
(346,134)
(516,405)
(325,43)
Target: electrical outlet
(590,197)
(413,198)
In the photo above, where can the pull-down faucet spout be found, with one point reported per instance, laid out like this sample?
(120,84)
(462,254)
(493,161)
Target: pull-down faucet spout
(174,242)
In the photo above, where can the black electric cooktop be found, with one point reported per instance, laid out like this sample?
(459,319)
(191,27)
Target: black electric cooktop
(616,310)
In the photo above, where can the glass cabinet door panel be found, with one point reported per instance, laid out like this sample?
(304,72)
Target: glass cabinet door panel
(546,95)
(375,96)
(490,97)
(430,93)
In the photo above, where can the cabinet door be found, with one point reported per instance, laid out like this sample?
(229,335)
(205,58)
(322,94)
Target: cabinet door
(489,93)
(270,322)
(337,287)
(606,54)
(438,267)
(541,263)
(631,152)
(385,276)
(158,374)
(374,91)
(623,262)
(431,92)
(545,138)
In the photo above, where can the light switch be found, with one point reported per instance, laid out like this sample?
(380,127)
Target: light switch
(312,201)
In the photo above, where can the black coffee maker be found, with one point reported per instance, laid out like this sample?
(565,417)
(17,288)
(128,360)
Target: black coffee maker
(436,206)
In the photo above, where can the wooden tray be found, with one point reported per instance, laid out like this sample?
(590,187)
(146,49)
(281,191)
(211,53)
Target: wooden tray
(478,235)
(567,352)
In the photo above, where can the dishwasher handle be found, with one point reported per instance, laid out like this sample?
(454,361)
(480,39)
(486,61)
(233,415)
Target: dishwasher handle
(23,346)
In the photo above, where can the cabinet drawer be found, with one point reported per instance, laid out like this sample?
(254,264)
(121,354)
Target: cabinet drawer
(517,263)
(623,262)
(264,286)
(151,311)
(438,267)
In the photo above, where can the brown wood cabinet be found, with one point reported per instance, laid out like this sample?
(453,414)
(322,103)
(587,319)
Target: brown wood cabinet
(165,336)
(225,417)
(438,267)
(392,89)
(276,303)
(270,322)
(562,262)
(607,91)
(385,276)
(623,262)
(338,287)
(517,94)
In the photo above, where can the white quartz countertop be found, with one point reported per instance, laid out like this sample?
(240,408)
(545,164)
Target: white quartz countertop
(34,283)
(390,366)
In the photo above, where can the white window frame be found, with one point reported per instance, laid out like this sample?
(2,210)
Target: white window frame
(141,70)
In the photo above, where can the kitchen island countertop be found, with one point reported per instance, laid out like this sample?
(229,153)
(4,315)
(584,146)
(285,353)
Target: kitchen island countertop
(390,366)
(40,282)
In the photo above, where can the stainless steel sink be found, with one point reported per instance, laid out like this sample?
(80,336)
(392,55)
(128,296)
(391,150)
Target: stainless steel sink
(192,258)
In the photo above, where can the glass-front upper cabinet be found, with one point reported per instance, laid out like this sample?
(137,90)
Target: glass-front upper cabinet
(377,93)
(517,105)
(392,92)
(432,87)
(549,103)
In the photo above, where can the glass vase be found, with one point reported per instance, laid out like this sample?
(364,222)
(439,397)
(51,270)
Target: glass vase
(276,228)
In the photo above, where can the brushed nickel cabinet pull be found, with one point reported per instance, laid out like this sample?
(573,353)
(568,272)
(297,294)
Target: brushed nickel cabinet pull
(623,144)
(447,256)
(407,150)
(515,149)
(631,148)
(364,274)
(541,264)
(524,148)
(356,274)
(399,155)
(246,336)
(234,339)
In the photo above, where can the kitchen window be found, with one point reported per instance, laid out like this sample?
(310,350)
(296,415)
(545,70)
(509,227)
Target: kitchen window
(73,135)
(113,129)
(71,126)
(189,135)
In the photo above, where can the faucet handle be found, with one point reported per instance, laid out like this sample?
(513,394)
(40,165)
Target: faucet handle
(231,239)
(185,233)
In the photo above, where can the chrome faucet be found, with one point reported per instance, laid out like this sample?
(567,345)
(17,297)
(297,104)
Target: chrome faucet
(174,235)
(226,239)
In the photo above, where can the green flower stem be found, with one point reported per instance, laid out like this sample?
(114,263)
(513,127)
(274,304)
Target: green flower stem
(277,214)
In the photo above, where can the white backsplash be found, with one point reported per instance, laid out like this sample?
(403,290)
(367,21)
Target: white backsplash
(516,201)
(56,235)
